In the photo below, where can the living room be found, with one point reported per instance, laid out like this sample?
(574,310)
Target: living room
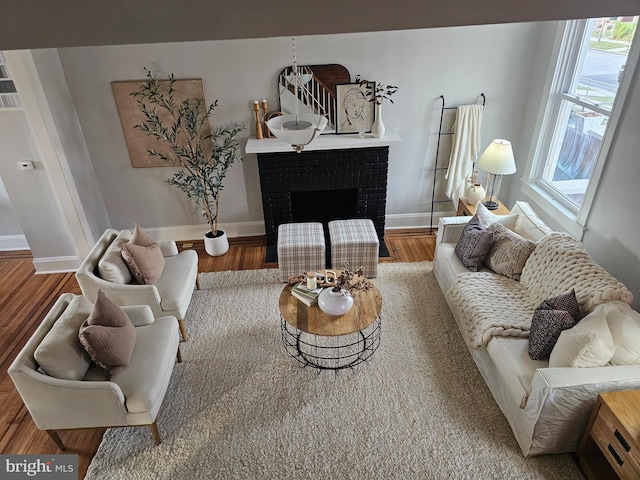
(506,62)
(84,182)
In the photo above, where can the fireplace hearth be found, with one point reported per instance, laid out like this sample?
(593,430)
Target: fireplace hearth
(321,186)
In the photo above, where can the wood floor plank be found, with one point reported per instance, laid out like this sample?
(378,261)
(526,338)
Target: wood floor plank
(25,299)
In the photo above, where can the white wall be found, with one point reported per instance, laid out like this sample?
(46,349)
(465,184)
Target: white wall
(612,231)
(11,234)
(30,193)
(76,163)
(458,62)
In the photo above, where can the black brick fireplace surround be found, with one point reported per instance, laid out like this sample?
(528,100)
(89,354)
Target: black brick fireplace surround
(317,179)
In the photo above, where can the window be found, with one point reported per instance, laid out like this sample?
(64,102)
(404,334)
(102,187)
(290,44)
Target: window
(9,98)
(581,109)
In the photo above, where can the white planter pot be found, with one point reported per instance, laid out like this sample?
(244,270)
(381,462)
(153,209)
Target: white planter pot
(216,246)
(335,303)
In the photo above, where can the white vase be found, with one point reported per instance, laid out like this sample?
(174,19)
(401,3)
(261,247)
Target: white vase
(335,303)
(377,129)
(218,245)
(474,194)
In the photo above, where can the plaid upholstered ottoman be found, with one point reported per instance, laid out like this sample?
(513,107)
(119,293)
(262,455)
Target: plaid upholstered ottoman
(301,248)
(354,242)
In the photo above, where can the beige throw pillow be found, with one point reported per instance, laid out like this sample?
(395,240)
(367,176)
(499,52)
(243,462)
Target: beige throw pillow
(144,258)
(60,353)
(509,252)
(588,344)
(112,266)
(488,218)
(108,336)
(624,324)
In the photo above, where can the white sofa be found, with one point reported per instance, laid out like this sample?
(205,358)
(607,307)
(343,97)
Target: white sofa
(547,408)
(79,395)
(104,269)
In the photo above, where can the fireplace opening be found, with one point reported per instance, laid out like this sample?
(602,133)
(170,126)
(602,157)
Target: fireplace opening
(324,205)
(323,185)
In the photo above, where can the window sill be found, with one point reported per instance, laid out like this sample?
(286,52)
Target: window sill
(554,209)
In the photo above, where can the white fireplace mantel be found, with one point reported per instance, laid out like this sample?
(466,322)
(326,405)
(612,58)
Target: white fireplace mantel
(324,142)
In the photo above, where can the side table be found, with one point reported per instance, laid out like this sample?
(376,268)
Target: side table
(610,447)
(468,210)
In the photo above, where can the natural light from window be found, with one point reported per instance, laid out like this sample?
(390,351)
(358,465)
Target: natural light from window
(585,98)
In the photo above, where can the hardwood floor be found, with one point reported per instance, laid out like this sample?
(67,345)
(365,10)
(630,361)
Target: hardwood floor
(25,299)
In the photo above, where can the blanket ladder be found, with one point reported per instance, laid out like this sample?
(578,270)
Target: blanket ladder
(439,170)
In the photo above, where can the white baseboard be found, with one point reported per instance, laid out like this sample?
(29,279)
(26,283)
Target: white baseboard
(414,220)
(56,264)
(13,242)
(256,228)
(195,232)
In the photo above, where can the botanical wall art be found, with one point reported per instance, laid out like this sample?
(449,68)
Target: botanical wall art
(138,142)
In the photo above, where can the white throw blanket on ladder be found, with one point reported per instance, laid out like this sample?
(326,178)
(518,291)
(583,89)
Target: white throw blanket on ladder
(464,150)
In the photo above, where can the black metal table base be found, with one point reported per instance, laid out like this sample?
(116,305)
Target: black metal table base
(331,353)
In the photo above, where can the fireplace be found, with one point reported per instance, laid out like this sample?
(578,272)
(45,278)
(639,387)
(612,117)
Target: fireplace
(323,185)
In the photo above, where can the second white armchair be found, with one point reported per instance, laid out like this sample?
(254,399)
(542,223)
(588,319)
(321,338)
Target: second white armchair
(104,269)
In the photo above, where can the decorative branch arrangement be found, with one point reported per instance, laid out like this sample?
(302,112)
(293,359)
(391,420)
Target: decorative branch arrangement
(380,93)
(204,157)
(345,281)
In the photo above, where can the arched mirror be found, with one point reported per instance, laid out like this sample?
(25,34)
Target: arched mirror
(316,93)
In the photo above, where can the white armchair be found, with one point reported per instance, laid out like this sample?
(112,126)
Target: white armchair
(169,296)
(132,398)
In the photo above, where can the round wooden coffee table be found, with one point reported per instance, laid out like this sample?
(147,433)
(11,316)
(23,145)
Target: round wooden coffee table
(324,341)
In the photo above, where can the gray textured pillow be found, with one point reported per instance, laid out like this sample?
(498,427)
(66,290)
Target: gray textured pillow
(509,252)
(108,336)
(474,244)
(144,257)
(549,320)
(60,354)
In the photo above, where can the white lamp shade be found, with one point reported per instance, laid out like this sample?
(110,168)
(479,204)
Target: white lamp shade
(303,136)
(497,158)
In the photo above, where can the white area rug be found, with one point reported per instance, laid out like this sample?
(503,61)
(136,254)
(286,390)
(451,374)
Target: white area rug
(240,408)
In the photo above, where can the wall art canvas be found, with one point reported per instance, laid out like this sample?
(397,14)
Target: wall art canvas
(138,142)
(354,112)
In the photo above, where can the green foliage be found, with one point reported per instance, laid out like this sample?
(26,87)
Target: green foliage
(204,157)
(624,30)
(378,94)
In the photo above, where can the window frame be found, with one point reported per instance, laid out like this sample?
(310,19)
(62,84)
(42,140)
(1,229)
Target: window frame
(561,74)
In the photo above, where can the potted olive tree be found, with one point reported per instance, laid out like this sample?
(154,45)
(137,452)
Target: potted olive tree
(203,155)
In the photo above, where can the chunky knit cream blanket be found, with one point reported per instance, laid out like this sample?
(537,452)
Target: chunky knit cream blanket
(488,304)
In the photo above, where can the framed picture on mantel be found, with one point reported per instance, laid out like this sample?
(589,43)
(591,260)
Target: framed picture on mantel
(354,111)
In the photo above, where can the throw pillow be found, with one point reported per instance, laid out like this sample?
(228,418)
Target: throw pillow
(60,353)
(145,263)
(474,244)
(111,265)
(108,336)
(550,318)
(567,301)
(624,324)
(488,218)
(509,252)
(143,257)
(588,344)
(140,237)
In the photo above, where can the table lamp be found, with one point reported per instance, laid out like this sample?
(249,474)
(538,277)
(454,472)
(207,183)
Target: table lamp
(497,159)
